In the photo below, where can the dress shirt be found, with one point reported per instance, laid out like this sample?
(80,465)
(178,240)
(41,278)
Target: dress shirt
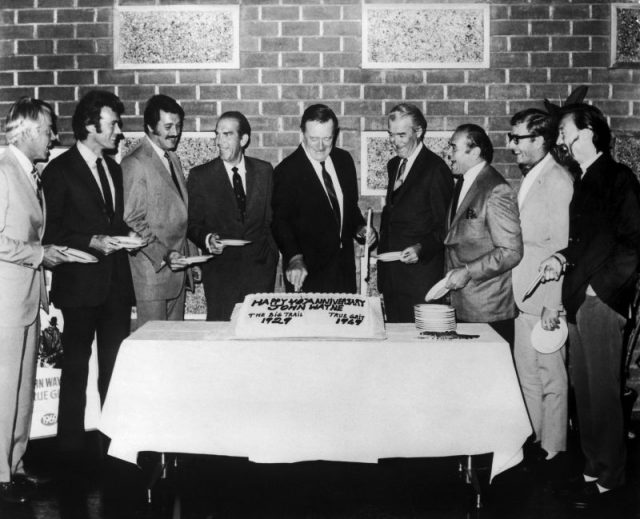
(160,153)
(469,178)
(90,158)
(530,178)
(242,171)
(328,164)
(410,160)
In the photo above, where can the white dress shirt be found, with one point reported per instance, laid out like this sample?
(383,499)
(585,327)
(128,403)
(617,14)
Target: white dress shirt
(242,171)
(469,178)
(90,158)
(410,160)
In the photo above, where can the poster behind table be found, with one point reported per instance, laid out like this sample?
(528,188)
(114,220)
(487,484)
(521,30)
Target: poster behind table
(44,422)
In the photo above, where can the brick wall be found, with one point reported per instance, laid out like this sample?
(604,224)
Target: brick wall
(294,52)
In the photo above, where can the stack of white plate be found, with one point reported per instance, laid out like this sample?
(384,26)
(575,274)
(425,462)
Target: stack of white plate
(435,318)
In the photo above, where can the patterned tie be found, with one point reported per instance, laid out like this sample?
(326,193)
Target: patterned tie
(333,198)
(106,190)
(173,173)
(400,175)
(456,198)
(36,179)
(241,198)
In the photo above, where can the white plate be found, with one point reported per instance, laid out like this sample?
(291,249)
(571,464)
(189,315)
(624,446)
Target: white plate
(439,289)
(389,256)
(190,260)
(234,243)
(548,341)
(130,241)
(79,256)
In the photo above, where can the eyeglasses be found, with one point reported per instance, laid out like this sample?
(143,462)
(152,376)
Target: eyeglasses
(517,138)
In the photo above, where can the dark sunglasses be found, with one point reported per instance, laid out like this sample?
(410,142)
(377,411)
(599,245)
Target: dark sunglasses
(517,138)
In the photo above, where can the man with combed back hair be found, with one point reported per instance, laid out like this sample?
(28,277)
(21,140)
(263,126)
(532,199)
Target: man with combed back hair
(30,131)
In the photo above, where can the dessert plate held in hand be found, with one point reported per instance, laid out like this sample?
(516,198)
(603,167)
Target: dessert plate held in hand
(191,260)
(130,242)
(439,289)
(79,256)
(234,243)
(389,256)
(548,341)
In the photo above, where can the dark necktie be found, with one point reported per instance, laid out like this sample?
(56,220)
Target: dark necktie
(400,176)
(106,190)
(456,198)
(333,198)
(173,173)
(241,198)
(36,178)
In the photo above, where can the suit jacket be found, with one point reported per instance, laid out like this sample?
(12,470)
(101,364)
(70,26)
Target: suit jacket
(155,209)
(415,213)
(75,212)
(604,237)
(213,209)
(544,218)
(21,230)
(485,236)
(303,221)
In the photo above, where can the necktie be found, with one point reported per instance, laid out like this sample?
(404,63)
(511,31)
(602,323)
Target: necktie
(173,173)
(241,198)
(333,198)
(106,190)
(400,175)
(456,198)
(36,178)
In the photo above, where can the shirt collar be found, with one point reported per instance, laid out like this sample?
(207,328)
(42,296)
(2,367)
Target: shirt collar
(87,154)
(157,148)
(471,174)
(316,163)
(22,159)
(240,165)
(414,154)
(534,170)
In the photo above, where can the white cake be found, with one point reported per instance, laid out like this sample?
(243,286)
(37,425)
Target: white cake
(342,316)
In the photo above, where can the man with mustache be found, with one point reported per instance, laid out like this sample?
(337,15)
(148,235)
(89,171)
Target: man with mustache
(600,266)
(543,201)
(83,192)
(156,201)
(230,198)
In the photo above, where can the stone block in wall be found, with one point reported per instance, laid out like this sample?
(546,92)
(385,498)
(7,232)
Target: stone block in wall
(425,36)
(625,35)
(175,36)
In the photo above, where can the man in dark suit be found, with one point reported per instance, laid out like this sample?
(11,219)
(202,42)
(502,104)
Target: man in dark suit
(484,239)
(230,198)
(315,209)
(601,265)
(156,201)
(83,191)
(413,219)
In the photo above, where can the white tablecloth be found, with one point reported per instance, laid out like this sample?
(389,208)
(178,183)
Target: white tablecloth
(189,387)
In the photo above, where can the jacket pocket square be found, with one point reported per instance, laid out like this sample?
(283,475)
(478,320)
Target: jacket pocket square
(471,214)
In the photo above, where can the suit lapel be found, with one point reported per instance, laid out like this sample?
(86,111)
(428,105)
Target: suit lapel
(251,186)
(537,184)
(84,176)
(222,183)
(471,194)
(26,185)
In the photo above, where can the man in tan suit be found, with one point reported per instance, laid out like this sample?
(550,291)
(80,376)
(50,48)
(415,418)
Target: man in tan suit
(156,202)
(30,132)
(543,200)
(483,241)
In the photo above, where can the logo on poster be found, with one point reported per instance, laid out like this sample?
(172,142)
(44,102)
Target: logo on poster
(49,419)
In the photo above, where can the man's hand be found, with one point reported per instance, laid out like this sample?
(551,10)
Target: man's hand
(105,244)
(411,254)
(134,234)
(176,261)
(549,319)
(53,256)
(458,278)
(370,239)
(296,272)
(552,268)
(213,245)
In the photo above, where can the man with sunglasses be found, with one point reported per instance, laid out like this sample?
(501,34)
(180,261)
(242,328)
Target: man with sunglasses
(543,201)
(600,266)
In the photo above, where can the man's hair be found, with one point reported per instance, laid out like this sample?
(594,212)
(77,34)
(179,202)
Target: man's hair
(588,116)
(25,113)
(155,104)
(477,137)
(88,110)
(539,123)
(319,113)
(408,110)
(244,128)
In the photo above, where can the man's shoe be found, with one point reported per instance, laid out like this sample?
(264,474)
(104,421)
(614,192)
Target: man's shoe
(30,480)
(589,497)
(10,493)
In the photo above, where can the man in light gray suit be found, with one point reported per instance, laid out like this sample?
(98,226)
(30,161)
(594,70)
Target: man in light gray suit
(483,241)
(543,200)
(30,132)
(156,207)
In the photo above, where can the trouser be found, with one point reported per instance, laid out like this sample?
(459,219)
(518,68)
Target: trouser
(160,310)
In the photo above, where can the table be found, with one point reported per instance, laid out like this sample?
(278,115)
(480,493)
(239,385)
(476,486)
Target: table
(190,387)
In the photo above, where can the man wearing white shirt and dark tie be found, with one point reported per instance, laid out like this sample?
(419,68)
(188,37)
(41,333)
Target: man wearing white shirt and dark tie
(230,199)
